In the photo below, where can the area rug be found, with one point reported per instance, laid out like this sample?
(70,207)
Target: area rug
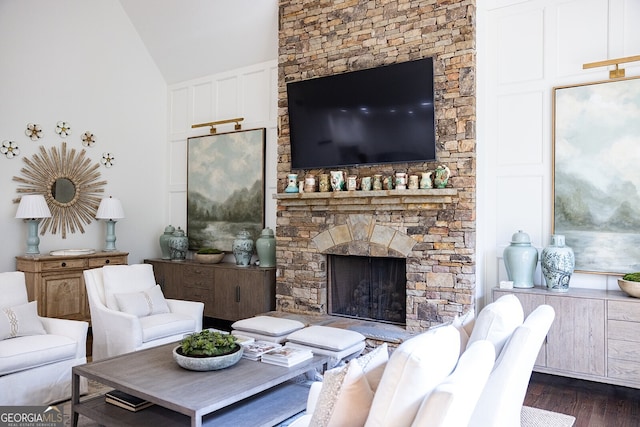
(534,417)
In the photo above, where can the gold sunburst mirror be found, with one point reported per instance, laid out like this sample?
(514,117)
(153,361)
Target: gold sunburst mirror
(70,184)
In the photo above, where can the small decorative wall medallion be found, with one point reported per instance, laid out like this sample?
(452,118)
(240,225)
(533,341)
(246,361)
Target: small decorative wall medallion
(88,139)
(63,129)
(34,131)
(10,149)
(108,160)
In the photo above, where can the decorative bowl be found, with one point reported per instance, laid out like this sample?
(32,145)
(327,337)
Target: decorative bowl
(211,363)
(209,258)
(631,288)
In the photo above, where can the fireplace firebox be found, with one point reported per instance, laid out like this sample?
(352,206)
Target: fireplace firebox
(368,288)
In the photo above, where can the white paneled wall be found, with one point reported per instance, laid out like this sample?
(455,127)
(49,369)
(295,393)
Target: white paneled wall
(249,92)
(525,49)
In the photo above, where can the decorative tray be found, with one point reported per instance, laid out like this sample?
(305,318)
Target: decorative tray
(71,252)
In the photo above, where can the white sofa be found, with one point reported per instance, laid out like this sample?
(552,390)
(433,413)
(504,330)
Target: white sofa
(129,311)
(36,353)
(446,376)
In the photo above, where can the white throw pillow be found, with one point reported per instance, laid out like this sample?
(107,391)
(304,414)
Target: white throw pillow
(144,303)
(373,364)
(20,320)
(413,370)
(452,402)
(497,321)
(326,337)
(464,325)
(345,397)
(120,279)
(267,325)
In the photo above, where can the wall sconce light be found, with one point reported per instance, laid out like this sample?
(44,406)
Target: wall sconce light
(617,72)
(213,130)
(110,209)
(32,208)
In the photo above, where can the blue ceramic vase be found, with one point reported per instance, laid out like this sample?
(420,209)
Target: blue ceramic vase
(558,262)
(243,248)
(178,245)
(164,241)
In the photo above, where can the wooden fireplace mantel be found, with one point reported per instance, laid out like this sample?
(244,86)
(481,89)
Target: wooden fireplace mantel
(379,199)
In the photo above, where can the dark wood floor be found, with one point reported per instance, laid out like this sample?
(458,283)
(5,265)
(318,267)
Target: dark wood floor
(593,404)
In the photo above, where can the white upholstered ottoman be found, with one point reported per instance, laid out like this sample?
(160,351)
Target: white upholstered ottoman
(336,343)
(266,328)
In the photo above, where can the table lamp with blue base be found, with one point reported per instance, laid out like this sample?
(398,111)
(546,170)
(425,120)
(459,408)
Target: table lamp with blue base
(32,208)
(110,209)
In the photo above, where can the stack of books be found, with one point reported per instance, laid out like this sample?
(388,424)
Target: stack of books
(126,401)
(286,356)
(254,350)
(242,339)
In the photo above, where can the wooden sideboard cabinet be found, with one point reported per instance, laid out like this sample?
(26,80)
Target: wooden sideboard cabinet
(594,335)
(57,282)
(229,292)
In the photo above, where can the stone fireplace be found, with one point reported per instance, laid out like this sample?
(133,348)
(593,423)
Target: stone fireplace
(432,230)
(412,225)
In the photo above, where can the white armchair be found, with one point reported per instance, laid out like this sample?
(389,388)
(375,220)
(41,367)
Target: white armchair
(500,403)
(36,353)
(427,390)
(129,312)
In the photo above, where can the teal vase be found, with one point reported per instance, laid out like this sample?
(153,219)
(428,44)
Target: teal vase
(266,248)
(520,260)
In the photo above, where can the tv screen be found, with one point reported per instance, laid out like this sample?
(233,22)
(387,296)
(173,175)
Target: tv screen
(374,116)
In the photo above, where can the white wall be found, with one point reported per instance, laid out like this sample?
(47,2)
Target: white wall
(525,48)
(83,62)
(250,93)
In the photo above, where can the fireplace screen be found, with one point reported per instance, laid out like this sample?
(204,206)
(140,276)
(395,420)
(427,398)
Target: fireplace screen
(370,288)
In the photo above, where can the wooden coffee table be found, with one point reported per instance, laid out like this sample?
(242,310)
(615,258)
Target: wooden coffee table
(246,394)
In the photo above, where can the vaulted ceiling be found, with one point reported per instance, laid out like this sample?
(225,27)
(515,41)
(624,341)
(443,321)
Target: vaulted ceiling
(193,38)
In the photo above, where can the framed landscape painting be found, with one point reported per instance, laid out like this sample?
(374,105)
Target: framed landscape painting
(225,187)
(596,179)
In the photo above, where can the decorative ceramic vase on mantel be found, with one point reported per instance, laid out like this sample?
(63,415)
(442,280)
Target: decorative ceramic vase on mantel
(338,180)
(292,183)
(442,174)
(520,260)
(557,262)
(243,248)
(425,181)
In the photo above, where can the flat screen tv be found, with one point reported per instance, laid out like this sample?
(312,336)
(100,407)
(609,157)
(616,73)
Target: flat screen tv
(373,116)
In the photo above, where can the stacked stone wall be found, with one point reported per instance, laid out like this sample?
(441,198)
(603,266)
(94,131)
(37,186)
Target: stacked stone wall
(320,38)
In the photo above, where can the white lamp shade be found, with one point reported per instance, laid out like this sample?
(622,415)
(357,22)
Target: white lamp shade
(110,208)
(33,206)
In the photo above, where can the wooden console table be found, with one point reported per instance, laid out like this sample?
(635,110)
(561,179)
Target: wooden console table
(229,292)
(594,335)
(57,282)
